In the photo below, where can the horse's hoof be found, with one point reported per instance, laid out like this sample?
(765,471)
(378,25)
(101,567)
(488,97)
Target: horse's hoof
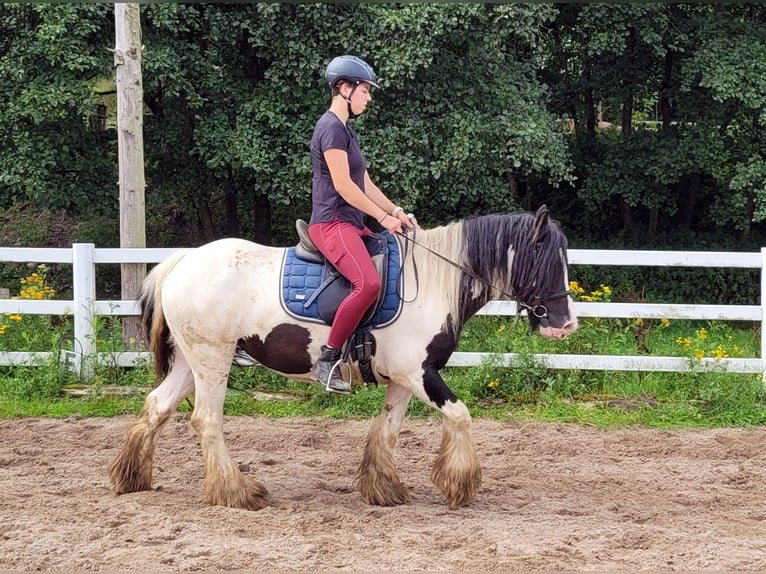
(246,493)
(392,494)
(460,489)
(126,477)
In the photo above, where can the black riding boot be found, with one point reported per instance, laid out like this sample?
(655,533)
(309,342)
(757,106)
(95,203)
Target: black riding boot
(327,371)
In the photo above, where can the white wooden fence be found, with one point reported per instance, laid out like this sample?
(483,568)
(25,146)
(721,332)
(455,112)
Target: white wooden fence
(84,307)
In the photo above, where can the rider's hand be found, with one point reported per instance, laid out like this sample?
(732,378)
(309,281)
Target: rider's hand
(406,220)
(392,224)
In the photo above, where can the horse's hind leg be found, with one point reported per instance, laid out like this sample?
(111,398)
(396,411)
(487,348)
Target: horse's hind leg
(378,481)
(131,471)
(224,483)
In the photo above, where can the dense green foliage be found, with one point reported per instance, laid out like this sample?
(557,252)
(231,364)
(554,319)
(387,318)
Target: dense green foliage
(665,149)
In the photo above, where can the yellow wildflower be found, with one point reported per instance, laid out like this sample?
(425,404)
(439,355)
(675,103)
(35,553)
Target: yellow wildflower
(684,342)
(664,322)
(721,353)
(574,286)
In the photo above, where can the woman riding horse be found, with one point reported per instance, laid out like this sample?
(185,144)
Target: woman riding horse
(342,193)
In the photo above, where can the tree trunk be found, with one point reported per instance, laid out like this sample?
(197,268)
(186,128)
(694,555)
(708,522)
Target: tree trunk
(654,218)
(513,187)
(628,81)
(688,194)
(205,221)
(232,213)
(744,233)
(589,138)
(130,144)
(262,220)
(666,110)
(627,217)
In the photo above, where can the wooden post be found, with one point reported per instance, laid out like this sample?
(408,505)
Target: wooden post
(130,139)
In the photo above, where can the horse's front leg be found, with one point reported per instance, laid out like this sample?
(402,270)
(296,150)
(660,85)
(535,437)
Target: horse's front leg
(457,471)
(225,484)
(378,481)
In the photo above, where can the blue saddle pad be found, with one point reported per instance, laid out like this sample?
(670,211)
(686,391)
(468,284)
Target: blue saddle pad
(300,279)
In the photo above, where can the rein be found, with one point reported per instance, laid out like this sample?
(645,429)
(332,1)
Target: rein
(540,310)
(468,271)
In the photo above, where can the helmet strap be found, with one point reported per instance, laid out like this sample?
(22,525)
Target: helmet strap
(348,101)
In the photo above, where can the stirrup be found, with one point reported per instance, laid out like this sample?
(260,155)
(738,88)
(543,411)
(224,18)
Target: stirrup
(243,359)
(344,391)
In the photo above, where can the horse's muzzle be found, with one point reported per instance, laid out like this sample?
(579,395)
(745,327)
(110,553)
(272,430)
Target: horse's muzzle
(559,332)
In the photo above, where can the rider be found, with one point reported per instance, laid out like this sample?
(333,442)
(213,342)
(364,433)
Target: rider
(342,193)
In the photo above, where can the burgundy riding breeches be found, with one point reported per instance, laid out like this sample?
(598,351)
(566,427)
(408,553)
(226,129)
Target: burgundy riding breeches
(341,243)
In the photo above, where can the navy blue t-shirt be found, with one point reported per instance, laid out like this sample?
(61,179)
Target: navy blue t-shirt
(326,202)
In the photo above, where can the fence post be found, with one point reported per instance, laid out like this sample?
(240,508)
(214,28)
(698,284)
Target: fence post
(84,296)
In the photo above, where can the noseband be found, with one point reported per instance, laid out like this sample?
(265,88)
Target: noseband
(540,310)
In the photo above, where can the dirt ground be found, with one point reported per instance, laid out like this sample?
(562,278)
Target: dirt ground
(554,497)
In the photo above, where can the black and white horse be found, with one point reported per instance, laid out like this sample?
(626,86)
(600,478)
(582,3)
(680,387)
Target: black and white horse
(200,303)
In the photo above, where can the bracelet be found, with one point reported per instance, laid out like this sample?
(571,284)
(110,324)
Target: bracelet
(396,210)
(382,217)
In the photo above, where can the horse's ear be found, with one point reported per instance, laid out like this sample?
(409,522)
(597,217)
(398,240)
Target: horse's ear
(541,222)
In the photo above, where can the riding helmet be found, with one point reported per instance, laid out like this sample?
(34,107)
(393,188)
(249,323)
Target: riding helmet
(350,68)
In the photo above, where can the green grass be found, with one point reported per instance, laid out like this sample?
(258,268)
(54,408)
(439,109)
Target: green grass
(526,391)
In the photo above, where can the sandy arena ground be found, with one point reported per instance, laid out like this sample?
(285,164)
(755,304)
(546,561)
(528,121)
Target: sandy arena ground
(554,497)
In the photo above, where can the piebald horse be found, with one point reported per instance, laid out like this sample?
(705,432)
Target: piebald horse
(200,303)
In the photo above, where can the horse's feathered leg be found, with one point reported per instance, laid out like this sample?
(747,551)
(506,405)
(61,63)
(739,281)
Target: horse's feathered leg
(131,471)
(224,483)
(378,481)
(457,471)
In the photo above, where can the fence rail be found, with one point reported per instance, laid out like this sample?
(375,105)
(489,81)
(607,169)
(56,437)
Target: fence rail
(84,257)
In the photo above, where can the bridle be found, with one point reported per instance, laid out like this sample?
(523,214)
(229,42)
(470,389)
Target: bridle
(538,310)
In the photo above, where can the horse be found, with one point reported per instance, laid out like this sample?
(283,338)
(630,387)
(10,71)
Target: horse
(199,304)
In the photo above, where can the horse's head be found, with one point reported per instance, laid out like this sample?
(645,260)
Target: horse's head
(542,287)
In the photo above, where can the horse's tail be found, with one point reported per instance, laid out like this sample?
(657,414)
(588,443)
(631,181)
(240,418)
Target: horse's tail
(152,316)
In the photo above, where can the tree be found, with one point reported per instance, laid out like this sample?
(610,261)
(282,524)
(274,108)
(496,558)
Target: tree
(56,152)
(669,74)
(464,122)
(253,90)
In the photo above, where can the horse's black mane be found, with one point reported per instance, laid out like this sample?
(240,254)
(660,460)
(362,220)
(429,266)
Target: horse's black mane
(488,238)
